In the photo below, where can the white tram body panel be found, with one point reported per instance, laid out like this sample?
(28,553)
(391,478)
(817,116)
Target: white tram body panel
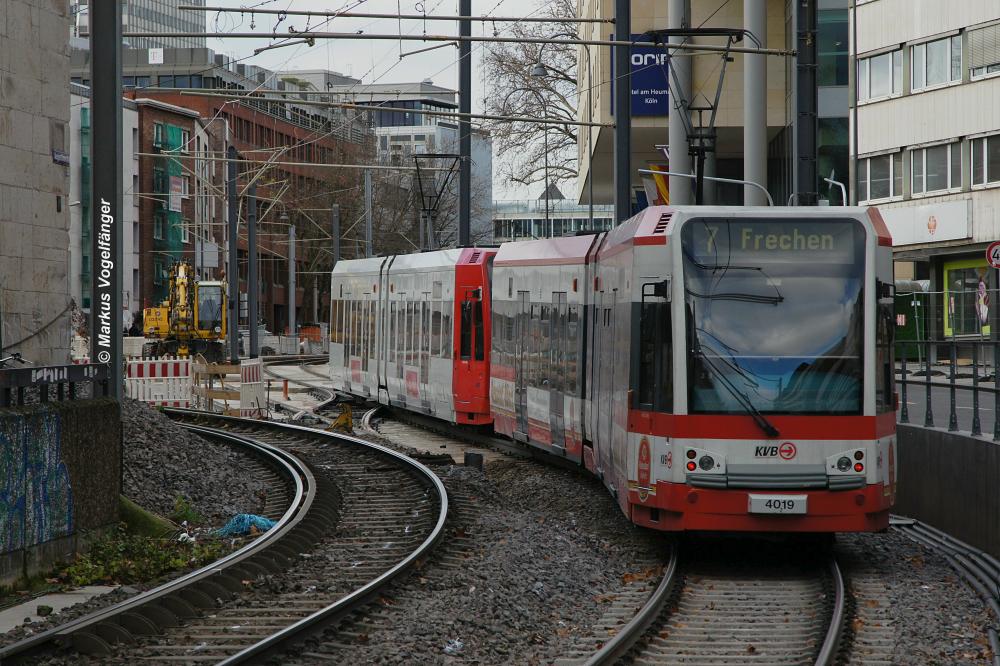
(353,326)
(538,343)
(418,302)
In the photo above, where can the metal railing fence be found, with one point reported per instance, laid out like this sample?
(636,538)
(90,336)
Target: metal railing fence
(968,366)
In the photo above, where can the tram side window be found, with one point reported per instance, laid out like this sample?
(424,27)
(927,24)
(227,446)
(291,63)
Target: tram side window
(572,350)
(334,320)
(477,326)
(465,332)
(884,377)
(655,357)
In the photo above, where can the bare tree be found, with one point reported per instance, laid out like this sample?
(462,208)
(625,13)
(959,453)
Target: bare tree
(520,145)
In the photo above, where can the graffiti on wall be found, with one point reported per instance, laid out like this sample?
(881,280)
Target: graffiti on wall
(36,499)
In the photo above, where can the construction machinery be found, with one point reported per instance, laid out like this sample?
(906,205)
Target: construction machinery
(191,321)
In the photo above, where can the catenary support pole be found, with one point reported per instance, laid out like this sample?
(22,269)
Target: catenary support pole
(805,174)
(335,231)
(464,126)
(681,189)
(253,285)
(291,282)
(368,214)
(106,229)
(623,112)
(232,251)
(755,104)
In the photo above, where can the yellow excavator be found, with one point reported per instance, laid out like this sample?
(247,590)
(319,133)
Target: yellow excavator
(191,321)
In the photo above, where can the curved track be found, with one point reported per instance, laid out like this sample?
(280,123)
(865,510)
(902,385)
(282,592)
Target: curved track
(318,387)
(361,516)
(709,611)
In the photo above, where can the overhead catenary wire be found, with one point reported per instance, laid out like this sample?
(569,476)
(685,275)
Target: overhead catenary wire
(407,17)
(475,38)
(382,107)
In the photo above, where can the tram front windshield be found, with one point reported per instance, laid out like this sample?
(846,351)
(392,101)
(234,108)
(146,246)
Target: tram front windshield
(774,314)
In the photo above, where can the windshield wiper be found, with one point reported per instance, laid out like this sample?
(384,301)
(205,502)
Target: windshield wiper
(740,396)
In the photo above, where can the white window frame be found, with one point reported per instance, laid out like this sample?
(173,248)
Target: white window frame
(185,232)
(896,86)
(989,180)
(922,153)
(981,34)
(864,165)
(915,61)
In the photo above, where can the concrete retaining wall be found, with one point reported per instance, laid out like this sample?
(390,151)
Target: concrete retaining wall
(60,477)
(951,481)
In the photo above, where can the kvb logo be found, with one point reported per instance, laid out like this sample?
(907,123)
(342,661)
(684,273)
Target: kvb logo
(785,451)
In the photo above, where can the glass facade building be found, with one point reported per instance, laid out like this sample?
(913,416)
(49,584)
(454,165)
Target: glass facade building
(152,16)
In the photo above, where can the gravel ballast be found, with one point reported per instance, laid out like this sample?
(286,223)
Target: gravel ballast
(164,461)
(919,610)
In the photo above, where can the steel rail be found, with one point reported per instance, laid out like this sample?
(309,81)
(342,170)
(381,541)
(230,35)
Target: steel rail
(831,644)
(618,646)
(629,635)
(362,595)
(302,501)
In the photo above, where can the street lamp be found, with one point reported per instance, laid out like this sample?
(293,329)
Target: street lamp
(538,70)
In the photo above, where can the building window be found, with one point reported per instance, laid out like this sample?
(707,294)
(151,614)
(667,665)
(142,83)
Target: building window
(937,168)
(880,76)
(832,51)
(936,63)
(880,177)
(158,272)
(158,226)
(158,134)
(986,160)
(984,51)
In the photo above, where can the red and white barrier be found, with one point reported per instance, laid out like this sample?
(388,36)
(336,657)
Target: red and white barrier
(164,382)
(253,401)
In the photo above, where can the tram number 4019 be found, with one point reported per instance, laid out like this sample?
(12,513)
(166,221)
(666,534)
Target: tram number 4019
(794,504)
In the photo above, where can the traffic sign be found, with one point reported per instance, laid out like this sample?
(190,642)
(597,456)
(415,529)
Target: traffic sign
(993,254)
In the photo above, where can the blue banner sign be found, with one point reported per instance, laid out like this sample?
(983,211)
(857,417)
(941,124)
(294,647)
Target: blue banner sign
(650,80)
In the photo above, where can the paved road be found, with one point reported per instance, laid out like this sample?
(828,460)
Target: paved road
(916,400)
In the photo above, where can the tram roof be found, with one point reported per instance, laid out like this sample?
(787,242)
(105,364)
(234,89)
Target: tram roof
(564,250)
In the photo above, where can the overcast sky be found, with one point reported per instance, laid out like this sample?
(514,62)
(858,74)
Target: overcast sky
(372,61)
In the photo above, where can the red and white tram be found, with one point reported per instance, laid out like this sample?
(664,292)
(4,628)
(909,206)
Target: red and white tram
(412,331)
(719,368)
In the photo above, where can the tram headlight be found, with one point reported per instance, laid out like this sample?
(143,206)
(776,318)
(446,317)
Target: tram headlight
(691,453)
(844,464)
(858,455)
(706,463)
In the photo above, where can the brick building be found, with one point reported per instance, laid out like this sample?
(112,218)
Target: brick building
(183,198)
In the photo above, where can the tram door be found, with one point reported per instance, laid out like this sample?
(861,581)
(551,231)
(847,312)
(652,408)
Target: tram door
(557,370)
(522,332)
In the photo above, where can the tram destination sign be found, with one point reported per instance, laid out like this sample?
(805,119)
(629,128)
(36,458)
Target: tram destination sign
(773,241)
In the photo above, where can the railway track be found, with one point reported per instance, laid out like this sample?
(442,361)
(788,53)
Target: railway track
(360,516)
(318,388)
(767,608)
